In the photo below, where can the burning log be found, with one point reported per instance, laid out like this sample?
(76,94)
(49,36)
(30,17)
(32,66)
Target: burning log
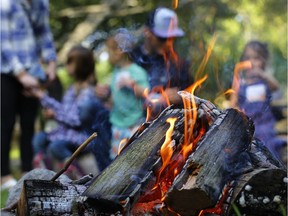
(217,160)
(262,191)
(225,169)
(122,183)
(224,154)
(43,197)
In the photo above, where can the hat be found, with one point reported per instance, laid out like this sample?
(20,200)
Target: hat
(164,23)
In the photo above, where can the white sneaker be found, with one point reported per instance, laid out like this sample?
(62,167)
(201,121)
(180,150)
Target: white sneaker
(9,184)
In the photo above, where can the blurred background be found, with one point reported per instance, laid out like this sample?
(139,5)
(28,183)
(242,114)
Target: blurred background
(232,23)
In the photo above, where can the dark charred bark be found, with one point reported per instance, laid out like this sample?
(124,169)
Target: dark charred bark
(43,197)
(220,157)
(263,191)
(227,154)
(226,162)
(120,185)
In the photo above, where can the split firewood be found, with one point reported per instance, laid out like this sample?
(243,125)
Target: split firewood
(224,154)
(17,203)
(226,172)
(263,191)
(43,197)
(219,157)
(132,173)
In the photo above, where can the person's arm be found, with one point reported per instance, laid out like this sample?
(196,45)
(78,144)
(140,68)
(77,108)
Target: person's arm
(173,96)
(65,112)
(8,50)
(132,84)
(271,81)
(44,39)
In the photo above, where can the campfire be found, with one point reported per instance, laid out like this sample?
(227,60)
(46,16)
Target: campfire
(193,159)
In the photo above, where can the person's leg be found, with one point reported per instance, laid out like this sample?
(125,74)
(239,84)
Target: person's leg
(40,142)
(87,111)
(60,150)
(9,96)
(28,113)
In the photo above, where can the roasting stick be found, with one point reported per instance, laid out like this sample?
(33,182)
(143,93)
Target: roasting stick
(75,154)
(67,164)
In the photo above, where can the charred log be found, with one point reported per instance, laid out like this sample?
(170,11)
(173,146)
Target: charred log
(218,159)
(43,197)
(120,185)
(263,191)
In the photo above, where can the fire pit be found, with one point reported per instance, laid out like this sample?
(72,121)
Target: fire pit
(194,159)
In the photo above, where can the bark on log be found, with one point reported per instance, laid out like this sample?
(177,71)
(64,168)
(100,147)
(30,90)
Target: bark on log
(224,154)
(262,191)
(43,197)
(131,174)
(212,164)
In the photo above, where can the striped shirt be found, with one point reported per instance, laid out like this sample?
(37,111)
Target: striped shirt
(23,46)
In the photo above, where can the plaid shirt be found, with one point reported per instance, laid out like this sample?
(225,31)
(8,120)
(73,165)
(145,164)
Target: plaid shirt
(25,35)
(67,115)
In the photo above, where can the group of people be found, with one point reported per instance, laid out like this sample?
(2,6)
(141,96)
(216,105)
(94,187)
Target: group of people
(141,73)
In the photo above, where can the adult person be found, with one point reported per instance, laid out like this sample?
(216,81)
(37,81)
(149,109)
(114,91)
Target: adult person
(167,71)
(26,42)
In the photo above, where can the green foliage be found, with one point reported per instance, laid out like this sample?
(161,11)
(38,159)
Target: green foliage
(233,22)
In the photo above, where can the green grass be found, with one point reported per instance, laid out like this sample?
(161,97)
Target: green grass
(14,155)
(4,196)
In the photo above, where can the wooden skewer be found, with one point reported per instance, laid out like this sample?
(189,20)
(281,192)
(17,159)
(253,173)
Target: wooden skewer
(75,154)
(67,164)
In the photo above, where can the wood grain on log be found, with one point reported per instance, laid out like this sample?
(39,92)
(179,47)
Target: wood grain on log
(43,197)
(217,159)
(122,183)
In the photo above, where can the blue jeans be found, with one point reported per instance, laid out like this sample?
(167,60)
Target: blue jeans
(58,149)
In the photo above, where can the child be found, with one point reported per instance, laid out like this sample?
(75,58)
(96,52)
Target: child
(127,86)
(254,95)
(76,115)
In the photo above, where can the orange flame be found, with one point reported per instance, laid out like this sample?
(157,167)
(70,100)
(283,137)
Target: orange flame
(166,150)
(238,67)
(200,70)
(190,117)
(158,97)
(122,145)
(175,4)
(218,208)
(236,80)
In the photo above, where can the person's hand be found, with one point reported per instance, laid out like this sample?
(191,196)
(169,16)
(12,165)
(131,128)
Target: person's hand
(255,72)
(48,113)
(173,96)
(51,71)
(27,80)
(126,82)
(35,92)
(102,91)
